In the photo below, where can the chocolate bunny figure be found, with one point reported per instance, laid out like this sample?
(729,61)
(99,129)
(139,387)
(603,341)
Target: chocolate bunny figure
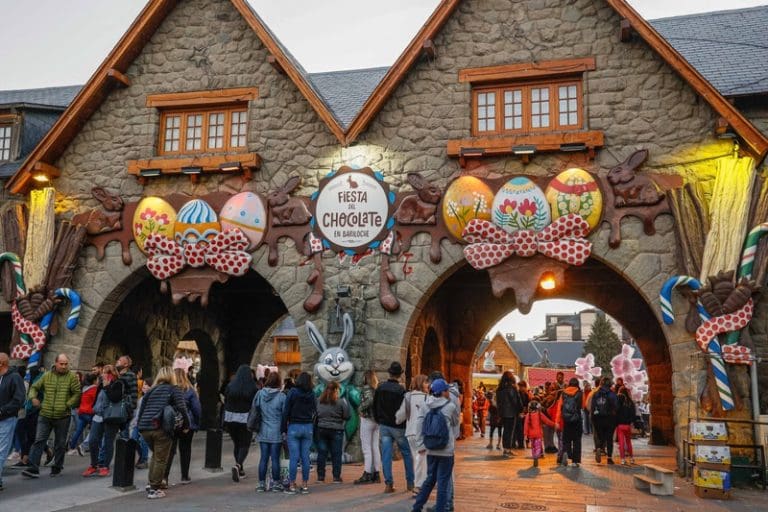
(630,189)
(287,210)
(419,208)
(97,221)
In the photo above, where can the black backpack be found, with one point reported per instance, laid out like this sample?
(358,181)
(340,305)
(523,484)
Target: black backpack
(571,408)
(435,429)
(601,405)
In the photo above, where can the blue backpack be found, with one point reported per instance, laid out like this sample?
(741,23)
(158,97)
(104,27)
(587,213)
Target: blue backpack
(435,429)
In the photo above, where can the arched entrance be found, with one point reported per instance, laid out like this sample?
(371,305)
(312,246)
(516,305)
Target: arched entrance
(147,326)
(462,309)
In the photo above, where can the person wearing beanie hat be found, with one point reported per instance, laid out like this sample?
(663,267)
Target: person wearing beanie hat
(386,401)
(439,461)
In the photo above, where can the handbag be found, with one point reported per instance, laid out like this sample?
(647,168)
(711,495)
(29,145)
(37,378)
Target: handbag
(116,413)
(173,421)
(255,416)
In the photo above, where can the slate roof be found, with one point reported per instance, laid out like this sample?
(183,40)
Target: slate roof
(345,92)
(286,328)
(729,48)
(561,353)
(49,96)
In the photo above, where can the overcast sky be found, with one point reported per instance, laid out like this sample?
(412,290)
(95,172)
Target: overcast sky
(61,42)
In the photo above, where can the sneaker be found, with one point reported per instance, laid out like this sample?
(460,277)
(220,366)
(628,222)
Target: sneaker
(155,494)
(623,462)
(163,484)
(90,471)
(389,488)
(262,487)
(73,451)
(235,474)
(291,489)
(20,465)
(304,489)
(610,461)
(338,480)
(278,487)
(31,473)
(79,450)
(103,471)
(598,456)
(186,481)
(14,456)
(55,472)
(575,465)
(141,465)
(366,478)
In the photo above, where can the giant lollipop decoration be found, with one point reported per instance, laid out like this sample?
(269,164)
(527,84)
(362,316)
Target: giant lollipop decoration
(586,369)
(624,366)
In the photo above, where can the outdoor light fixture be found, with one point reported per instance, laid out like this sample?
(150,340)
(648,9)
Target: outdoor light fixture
(548,281)
(573,146)
(727,135)
(230,166)
(465,152)
(193,171)
(41,177)
(150,173)
(524,149)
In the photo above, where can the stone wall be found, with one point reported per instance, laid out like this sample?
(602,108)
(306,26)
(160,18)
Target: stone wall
(203,44)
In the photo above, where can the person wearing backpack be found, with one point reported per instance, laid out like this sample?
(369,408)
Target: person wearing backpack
(625,416)
(438,421)
(568,421)
(386,402)
(603,410)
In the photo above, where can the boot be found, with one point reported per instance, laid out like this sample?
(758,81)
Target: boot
(376,478)
(389,488)
(367,478)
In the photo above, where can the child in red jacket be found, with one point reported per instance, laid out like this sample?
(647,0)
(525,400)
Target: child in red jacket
(533,431)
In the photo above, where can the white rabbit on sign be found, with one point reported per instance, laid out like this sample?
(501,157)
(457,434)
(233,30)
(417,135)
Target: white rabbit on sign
(488,363)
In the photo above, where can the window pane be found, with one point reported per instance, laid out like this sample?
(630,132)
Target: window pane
(513,109)
(491,124)
(5,143)
(539,107)
(482,112)
(238,129)
(563,118)
(481,127)
(491,98)
(172,133)
(568,105)
(194,132)
(486,111)
(573,118)
(216,130)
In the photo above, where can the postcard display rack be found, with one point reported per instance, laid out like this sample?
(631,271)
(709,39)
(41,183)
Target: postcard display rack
(712,459)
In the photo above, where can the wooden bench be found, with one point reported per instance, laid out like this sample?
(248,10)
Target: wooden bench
(660,481)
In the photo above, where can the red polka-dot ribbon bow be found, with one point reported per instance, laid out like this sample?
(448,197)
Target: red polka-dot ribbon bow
(734,354)
(225,253)
(562,240)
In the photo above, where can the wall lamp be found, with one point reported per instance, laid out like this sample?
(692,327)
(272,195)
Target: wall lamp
(573,146)
(193,171)
(236,167)
(465,153)
(41,177)
(525,151)
(145,174)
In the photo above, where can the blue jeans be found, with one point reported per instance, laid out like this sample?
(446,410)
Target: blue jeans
(397,435)
(585,422)
(143,448)
(329,440)
(83,420)
(299,441)
(269,451)
(7,430)
(102,443)
(439,470)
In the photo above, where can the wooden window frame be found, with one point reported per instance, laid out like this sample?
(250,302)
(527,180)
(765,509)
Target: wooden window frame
(10,127)
(526,87)
(185,113)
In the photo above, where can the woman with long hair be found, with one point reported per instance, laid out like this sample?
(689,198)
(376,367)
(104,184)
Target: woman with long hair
(184,439)
(625,417)
(298,418)
(238,399)
(369,431)
(271,403)
(415,400)
(332,413)
(509,406)
(164,392)
(102,437)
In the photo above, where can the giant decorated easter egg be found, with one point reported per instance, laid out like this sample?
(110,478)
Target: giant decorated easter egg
(195,222)
(467,198)
(520,204)
(575,191)
(153,215)
(245,211)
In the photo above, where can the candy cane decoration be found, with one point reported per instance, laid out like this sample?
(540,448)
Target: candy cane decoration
(45,323)
(713,346)
(30,334)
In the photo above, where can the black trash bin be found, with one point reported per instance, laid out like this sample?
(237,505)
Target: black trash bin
(125,454)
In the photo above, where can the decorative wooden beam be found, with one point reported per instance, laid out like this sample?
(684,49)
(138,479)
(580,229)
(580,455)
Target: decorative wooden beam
(429,48)
(625,31)
(47,169)
(196,98)
(276,64)
(527,70)
(118,77)
(164,166)
(721,126)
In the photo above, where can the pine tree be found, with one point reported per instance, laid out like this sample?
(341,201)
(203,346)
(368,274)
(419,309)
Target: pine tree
(602,343)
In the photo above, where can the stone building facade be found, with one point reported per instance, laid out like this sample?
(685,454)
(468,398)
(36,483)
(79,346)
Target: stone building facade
(633,96)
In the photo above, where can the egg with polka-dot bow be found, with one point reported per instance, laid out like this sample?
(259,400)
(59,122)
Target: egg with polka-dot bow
(245,211)
(520,204)
(196,222)
(153,215)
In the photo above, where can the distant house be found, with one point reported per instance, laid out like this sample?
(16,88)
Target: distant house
(577,326)
(25,117)
(541,360)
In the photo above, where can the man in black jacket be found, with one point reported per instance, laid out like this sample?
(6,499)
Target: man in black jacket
(386,401)
(12,394)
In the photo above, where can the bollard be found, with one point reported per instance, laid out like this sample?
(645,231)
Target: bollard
(213,443)
(125,453)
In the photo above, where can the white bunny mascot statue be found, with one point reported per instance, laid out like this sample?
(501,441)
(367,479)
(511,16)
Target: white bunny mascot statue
(334,365)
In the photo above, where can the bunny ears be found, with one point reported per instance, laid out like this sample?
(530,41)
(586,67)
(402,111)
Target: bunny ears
(319,342)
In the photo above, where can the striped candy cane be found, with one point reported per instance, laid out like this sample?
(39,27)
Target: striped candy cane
(21,289)
(45,323)
(713,347)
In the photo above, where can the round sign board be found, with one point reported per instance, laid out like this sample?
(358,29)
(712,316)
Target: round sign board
(352,209)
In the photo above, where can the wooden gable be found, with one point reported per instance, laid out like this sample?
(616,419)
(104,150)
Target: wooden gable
(504,358)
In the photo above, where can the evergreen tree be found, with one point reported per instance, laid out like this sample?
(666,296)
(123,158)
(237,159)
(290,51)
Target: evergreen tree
(603,344)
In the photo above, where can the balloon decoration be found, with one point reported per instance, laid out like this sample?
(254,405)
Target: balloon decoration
(586,369)
(624,366)
(183,363)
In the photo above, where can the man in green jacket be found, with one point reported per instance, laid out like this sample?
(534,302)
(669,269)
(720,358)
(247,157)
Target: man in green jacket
(61,392)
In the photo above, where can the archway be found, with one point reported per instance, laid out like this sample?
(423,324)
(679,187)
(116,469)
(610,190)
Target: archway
(460,327)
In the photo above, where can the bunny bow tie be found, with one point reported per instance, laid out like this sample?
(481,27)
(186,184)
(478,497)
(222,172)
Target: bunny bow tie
(225,252)
(562,240)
